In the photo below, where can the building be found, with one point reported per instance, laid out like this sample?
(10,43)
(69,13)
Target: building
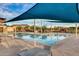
(2,20)
(9,29)
(2,25)
(21,27)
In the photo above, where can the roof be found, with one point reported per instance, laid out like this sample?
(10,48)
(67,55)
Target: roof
(2,18)
(20,25)
(65,12)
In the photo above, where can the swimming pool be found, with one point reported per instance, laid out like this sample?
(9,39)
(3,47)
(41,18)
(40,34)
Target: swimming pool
(43,39)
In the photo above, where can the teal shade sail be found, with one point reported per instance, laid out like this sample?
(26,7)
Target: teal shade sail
(64,12)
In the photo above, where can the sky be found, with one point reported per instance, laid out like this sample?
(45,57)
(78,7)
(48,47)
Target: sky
(12,10)
(44,23)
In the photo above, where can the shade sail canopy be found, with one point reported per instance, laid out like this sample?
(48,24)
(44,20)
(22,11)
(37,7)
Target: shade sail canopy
(65,12)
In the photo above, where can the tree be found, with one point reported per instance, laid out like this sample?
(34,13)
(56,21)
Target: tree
(26,28)
(56,29)
(38,28)
(44,28)
(71,29)
(32,27)
(18,28)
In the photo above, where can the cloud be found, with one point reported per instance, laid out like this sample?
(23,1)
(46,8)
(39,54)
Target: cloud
(6,14)
(11,10)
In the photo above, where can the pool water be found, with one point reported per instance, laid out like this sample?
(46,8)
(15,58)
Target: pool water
(43,39)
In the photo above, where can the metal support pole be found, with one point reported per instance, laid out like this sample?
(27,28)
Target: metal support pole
(51,29)
(76,30)
(34,32)
(41,29)
(41,26)
(57,34)
(51,32)
(15,32)
(34,26)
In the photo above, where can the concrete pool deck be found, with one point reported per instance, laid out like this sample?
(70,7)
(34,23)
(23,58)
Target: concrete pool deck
(10,47)
(67,47)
